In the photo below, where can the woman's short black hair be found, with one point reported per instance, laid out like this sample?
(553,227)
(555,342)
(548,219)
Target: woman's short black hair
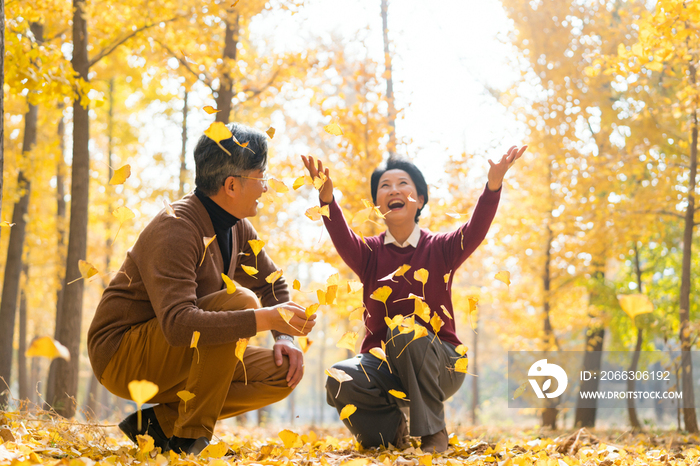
(213,165)
(397,163)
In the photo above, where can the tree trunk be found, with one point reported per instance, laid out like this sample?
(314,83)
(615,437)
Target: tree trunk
(689,417)
(110,190)
(2,101)
(475,380)
(292,412)
(549,414)
(22,346)
(61,208)
(63,375)
(631,410)
(224,95)
(183,153)
(391,147)
(93,398)
(13,265)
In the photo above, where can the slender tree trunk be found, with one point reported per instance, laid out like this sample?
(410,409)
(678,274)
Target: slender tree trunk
(13,264)
(475,380)
(61,208)
(93,398)
(34,379)
(22,346)
(689,417)
(63,376)
(2,101)
(391,117)
(292,413)
(183,152)
(224,95)
(631,383)
(549,414)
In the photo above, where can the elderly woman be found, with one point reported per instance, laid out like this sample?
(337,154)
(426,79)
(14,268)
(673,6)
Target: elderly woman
(424,371)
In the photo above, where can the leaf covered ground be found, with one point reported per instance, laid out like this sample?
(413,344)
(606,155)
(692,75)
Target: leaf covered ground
(28,440)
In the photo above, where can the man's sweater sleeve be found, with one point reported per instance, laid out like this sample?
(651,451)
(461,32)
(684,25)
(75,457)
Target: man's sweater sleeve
(354,252)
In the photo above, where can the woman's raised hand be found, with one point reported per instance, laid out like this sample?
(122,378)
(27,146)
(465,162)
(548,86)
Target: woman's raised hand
(498,170)
(315,167)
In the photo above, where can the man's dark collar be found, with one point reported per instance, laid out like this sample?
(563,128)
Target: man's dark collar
(219,217)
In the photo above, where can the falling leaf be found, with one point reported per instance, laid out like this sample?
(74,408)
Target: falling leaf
(315,213)
(309,311)
(194,342)
(141,391)
(210,110)
(635,304)
(461,350)
(207,241)
(252,271)
(278,185)
(339,375)
(320,180)
(382,294)
(348,340)
(331,293)
(436,323)
(230,286)
(394,322)
(503,276)
(256,246)
(357,313)
(185,396)
(347,411)
(361,217)
(169,209)
(421,309)
(418,332)
(299,182)
(146,443)
(461,365)
(397,273)
(397,394)
(453,214)
(286,314)
(426,460)
(271,279)
(304,343)
(473,301)
(333,129)
(6,224)
(47,347)
(422,276)
(520,390)
(217,132)
(321,295)
(270,131)
(215,450)
(289,438)
(364,241)
(447,279)
(241,345)
(447,313)
(235,3)
(333,279)
(296,285)
(120,175)
(87,271)
(122,214)
(354,286)
(381,355)
(410,199)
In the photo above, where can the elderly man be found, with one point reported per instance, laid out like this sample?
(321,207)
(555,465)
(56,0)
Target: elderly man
(171,287)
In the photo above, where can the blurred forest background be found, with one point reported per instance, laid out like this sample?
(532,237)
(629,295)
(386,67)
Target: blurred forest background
(604,92)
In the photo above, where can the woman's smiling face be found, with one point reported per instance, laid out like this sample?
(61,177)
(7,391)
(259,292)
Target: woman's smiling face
(397,197)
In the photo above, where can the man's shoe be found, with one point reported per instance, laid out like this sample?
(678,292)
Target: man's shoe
(149,425)
(435,443)
(188,445)
(401,440)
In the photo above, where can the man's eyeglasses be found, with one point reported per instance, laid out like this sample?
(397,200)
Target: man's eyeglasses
(263,179)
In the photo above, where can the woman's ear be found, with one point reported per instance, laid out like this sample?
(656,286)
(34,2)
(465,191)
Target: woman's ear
(420,201)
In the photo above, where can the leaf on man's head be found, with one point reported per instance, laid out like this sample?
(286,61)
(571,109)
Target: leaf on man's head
(120,175)
(47,347)
(217,132)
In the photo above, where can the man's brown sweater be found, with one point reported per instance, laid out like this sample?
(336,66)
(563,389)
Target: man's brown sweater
(164,275)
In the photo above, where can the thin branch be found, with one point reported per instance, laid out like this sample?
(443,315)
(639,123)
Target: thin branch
(657,212)
(207,79)
(257,92)
(116,44)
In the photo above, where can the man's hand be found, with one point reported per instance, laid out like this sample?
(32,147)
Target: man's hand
(498,170)
(296,360)
(326,192)
(270,318)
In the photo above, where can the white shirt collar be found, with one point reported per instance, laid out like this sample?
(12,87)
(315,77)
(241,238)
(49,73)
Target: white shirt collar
(411,241)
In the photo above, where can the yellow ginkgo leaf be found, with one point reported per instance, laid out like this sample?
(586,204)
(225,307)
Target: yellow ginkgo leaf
(421,309)
(447,279)
(277,185)
(146,443)
(321,296)
(453,214)
(241,345)
(394,322)
(461,365)
(410,198)
(380,354)
(122,214)
(272,278)
(87,271)
(289,438)
(194,342)
(215,450)
(331,293)
(354,286)
(347,411)
(333,279)
(217,132)
(185,396)
(141,391)
(447,313)
(400,272)
(503,276)
(296,285)
(270,131)
(339,375)
(210,110)
(207,241)
(121,175)
(418,332)
(357,313)
(304,343)
(169,209)
(315,213)
(361,217)
(319,180)
(6,224)
(286,314)
(473,320)
(256,246)
(635,304)
(382,294)
(252,271)
(348,340)
(364,241)
(520,390)
(47,347)
(436,323)
(230,286)
(398,394)
(461,350)
(299,182)
(311,310)
(333,129)
(422,276)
